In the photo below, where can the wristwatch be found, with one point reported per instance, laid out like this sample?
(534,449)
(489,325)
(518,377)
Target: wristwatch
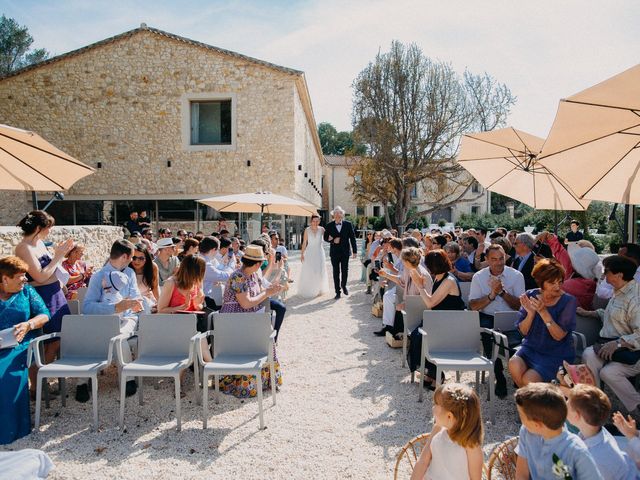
(548,324)
(619,343)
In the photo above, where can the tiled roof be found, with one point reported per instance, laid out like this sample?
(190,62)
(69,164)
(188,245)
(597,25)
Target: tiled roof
(340,160)
(144,28)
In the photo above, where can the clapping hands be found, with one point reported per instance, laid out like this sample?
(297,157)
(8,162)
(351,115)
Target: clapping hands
(626,425)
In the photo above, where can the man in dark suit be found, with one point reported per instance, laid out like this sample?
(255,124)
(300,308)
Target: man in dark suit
(524,261)
(341,235)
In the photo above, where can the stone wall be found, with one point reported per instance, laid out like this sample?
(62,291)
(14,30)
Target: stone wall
(121,104)
(96,239)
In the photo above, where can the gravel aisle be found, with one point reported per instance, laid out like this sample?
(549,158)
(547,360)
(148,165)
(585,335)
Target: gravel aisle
(344,411)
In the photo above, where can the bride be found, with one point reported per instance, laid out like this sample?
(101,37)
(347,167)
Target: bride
(313,272)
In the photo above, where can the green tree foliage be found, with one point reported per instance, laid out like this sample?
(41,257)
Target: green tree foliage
(15,42)
(338,143)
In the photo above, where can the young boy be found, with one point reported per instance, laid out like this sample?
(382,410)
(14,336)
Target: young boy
(588,410)
(546,449)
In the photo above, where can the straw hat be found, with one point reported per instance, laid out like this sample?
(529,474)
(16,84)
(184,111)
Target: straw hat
(164,243)
(254,252)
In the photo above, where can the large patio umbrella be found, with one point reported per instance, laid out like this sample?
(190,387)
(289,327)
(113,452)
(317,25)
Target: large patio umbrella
(260,202)
(505,161)
(29,162)
(593,145)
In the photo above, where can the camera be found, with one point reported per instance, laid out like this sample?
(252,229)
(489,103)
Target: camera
(278,256)
(377,265)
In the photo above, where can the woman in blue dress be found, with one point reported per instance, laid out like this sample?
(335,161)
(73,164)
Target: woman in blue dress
(24,313)
(547,318)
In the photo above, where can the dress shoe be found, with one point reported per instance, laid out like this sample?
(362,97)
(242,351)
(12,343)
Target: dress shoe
(501,387)
(383,332)
(345,291)
(337,297)
(82,393)
(368,290)
(131,388)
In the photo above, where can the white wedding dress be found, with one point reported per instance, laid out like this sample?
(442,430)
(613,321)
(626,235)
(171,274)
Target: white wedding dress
(313,279)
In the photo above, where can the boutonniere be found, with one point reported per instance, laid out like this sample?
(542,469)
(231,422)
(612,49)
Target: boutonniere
(560,470)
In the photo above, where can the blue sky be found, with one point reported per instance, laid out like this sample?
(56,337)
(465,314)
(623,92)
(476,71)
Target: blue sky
(543,50)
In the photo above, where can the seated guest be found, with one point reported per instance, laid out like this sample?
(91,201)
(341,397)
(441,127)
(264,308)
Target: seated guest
(216,273)
(166,261)
(496,288)
(632,252)
(469,248)
(615,357)
(189,247)
(235,246)
(181,234)
(132,224)
(524,260)
(461,267)
(244,293)
(270,273)
(79,273)
(547,318)
(506,246)
(627,426)
(199,235)
(588,409)
(542,437)
(586,270)
(392,264)
(147,276)
(23,311)
(144,221)
(105,297)
(445,296)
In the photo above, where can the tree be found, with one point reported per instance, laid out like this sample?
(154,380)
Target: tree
(338,143)
(15,42)
(410,112)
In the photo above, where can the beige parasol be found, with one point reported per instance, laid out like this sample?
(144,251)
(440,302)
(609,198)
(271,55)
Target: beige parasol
(505,161)
(260,202)
(593,145)
(29,162)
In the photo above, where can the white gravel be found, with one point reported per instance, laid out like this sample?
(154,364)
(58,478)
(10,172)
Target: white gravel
(344,411)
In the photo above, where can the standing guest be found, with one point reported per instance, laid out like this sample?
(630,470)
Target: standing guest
(147,276)
(166,261)
(189,247)
(43,271)
(547,318)
(22,310)
(574,234)
(496,288)
(132,224)
(543,438)
(215,273)
(114,290)
(235,246)
(525,242)
(222,225)
(79,273)
(144,221)
(245,294)
(340,234)
(282,250)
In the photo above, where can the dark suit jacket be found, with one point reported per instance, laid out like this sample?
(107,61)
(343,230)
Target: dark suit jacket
(529,282)
(347,237)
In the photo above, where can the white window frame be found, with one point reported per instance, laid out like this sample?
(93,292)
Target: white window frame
(186,100)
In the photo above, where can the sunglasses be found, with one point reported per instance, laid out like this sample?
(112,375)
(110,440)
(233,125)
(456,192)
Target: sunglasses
(137,259)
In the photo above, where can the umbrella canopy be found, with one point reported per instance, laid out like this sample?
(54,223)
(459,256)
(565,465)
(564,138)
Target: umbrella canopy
(593,145)
(505,161)
(260,202)
(29,162)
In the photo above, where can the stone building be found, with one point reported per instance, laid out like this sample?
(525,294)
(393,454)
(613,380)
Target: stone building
(336,181)
(165,120)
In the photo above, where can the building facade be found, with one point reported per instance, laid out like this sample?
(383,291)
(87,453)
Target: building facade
(165,121)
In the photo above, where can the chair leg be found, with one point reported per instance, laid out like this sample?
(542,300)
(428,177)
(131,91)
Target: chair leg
(45,385)
(38,401)
(123,387)
(478,381)
(491,398)
(421,384)
(205,400)
(457,376)
(94,394)
(140,395)
(63,391)
(196,382)
(438,379)
(274,380)
(404,349)
(260,410)
(176,381)
(216,386)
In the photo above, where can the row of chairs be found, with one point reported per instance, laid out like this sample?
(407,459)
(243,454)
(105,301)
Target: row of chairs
(166,346)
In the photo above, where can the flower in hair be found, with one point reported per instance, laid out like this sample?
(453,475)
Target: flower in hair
(459,396)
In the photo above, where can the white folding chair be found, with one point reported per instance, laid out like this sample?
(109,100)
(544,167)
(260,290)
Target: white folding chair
(451,341)
(86,348)
(74,307)
(80,294)
(217,293)
(243,345)
(164,350)
(465,288)
(503,322)
(412,318)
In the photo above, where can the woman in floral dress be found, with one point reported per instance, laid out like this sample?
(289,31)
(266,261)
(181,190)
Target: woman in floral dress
(245,294)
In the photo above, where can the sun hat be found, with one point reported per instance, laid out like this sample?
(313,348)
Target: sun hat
(164,243)
(117,280)
(254,252)
(386,233)
(585,261)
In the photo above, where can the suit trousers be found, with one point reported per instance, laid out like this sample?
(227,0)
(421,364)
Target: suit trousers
(340,265)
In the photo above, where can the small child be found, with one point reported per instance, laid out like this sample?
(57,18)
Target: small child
(627,427)
(454,448)
(588,409)
(545,448)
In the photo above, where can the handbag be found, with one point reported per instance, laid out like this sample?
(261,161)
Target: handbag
(577,374)
(621,355)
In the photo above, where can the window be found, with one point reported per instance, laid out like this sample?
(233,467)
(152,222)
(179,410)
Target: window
(61,210)
(360,211)
(208,121)
(475,187)
(414,191)
(475,210)
(376,211)
(176,210)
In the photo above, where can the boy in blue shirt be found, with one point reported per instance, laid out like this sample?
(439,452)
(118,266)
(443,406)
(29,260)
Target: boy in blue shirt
(546,450)
(588,410)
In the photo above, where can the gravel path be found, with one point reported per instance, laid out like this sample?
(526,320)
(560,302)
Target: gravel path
(344,411)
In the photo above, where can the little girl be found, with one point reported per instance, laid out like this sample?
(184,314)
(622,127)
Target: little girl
(454,448)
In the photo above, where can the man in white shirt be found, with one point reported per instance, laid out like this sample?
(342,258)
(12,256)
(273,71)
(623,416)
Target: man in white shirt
(496,288)
(216,273)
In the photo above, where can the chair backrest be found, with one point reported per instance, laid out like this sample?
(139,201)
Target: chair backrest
(80,294)
(502,461)
(87,335)
(505,321)
(465,288)
(408,456)
(452,330)
(74,307)
(399,294)
(168,335)
(242,333)
(414,306)
(217,293)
